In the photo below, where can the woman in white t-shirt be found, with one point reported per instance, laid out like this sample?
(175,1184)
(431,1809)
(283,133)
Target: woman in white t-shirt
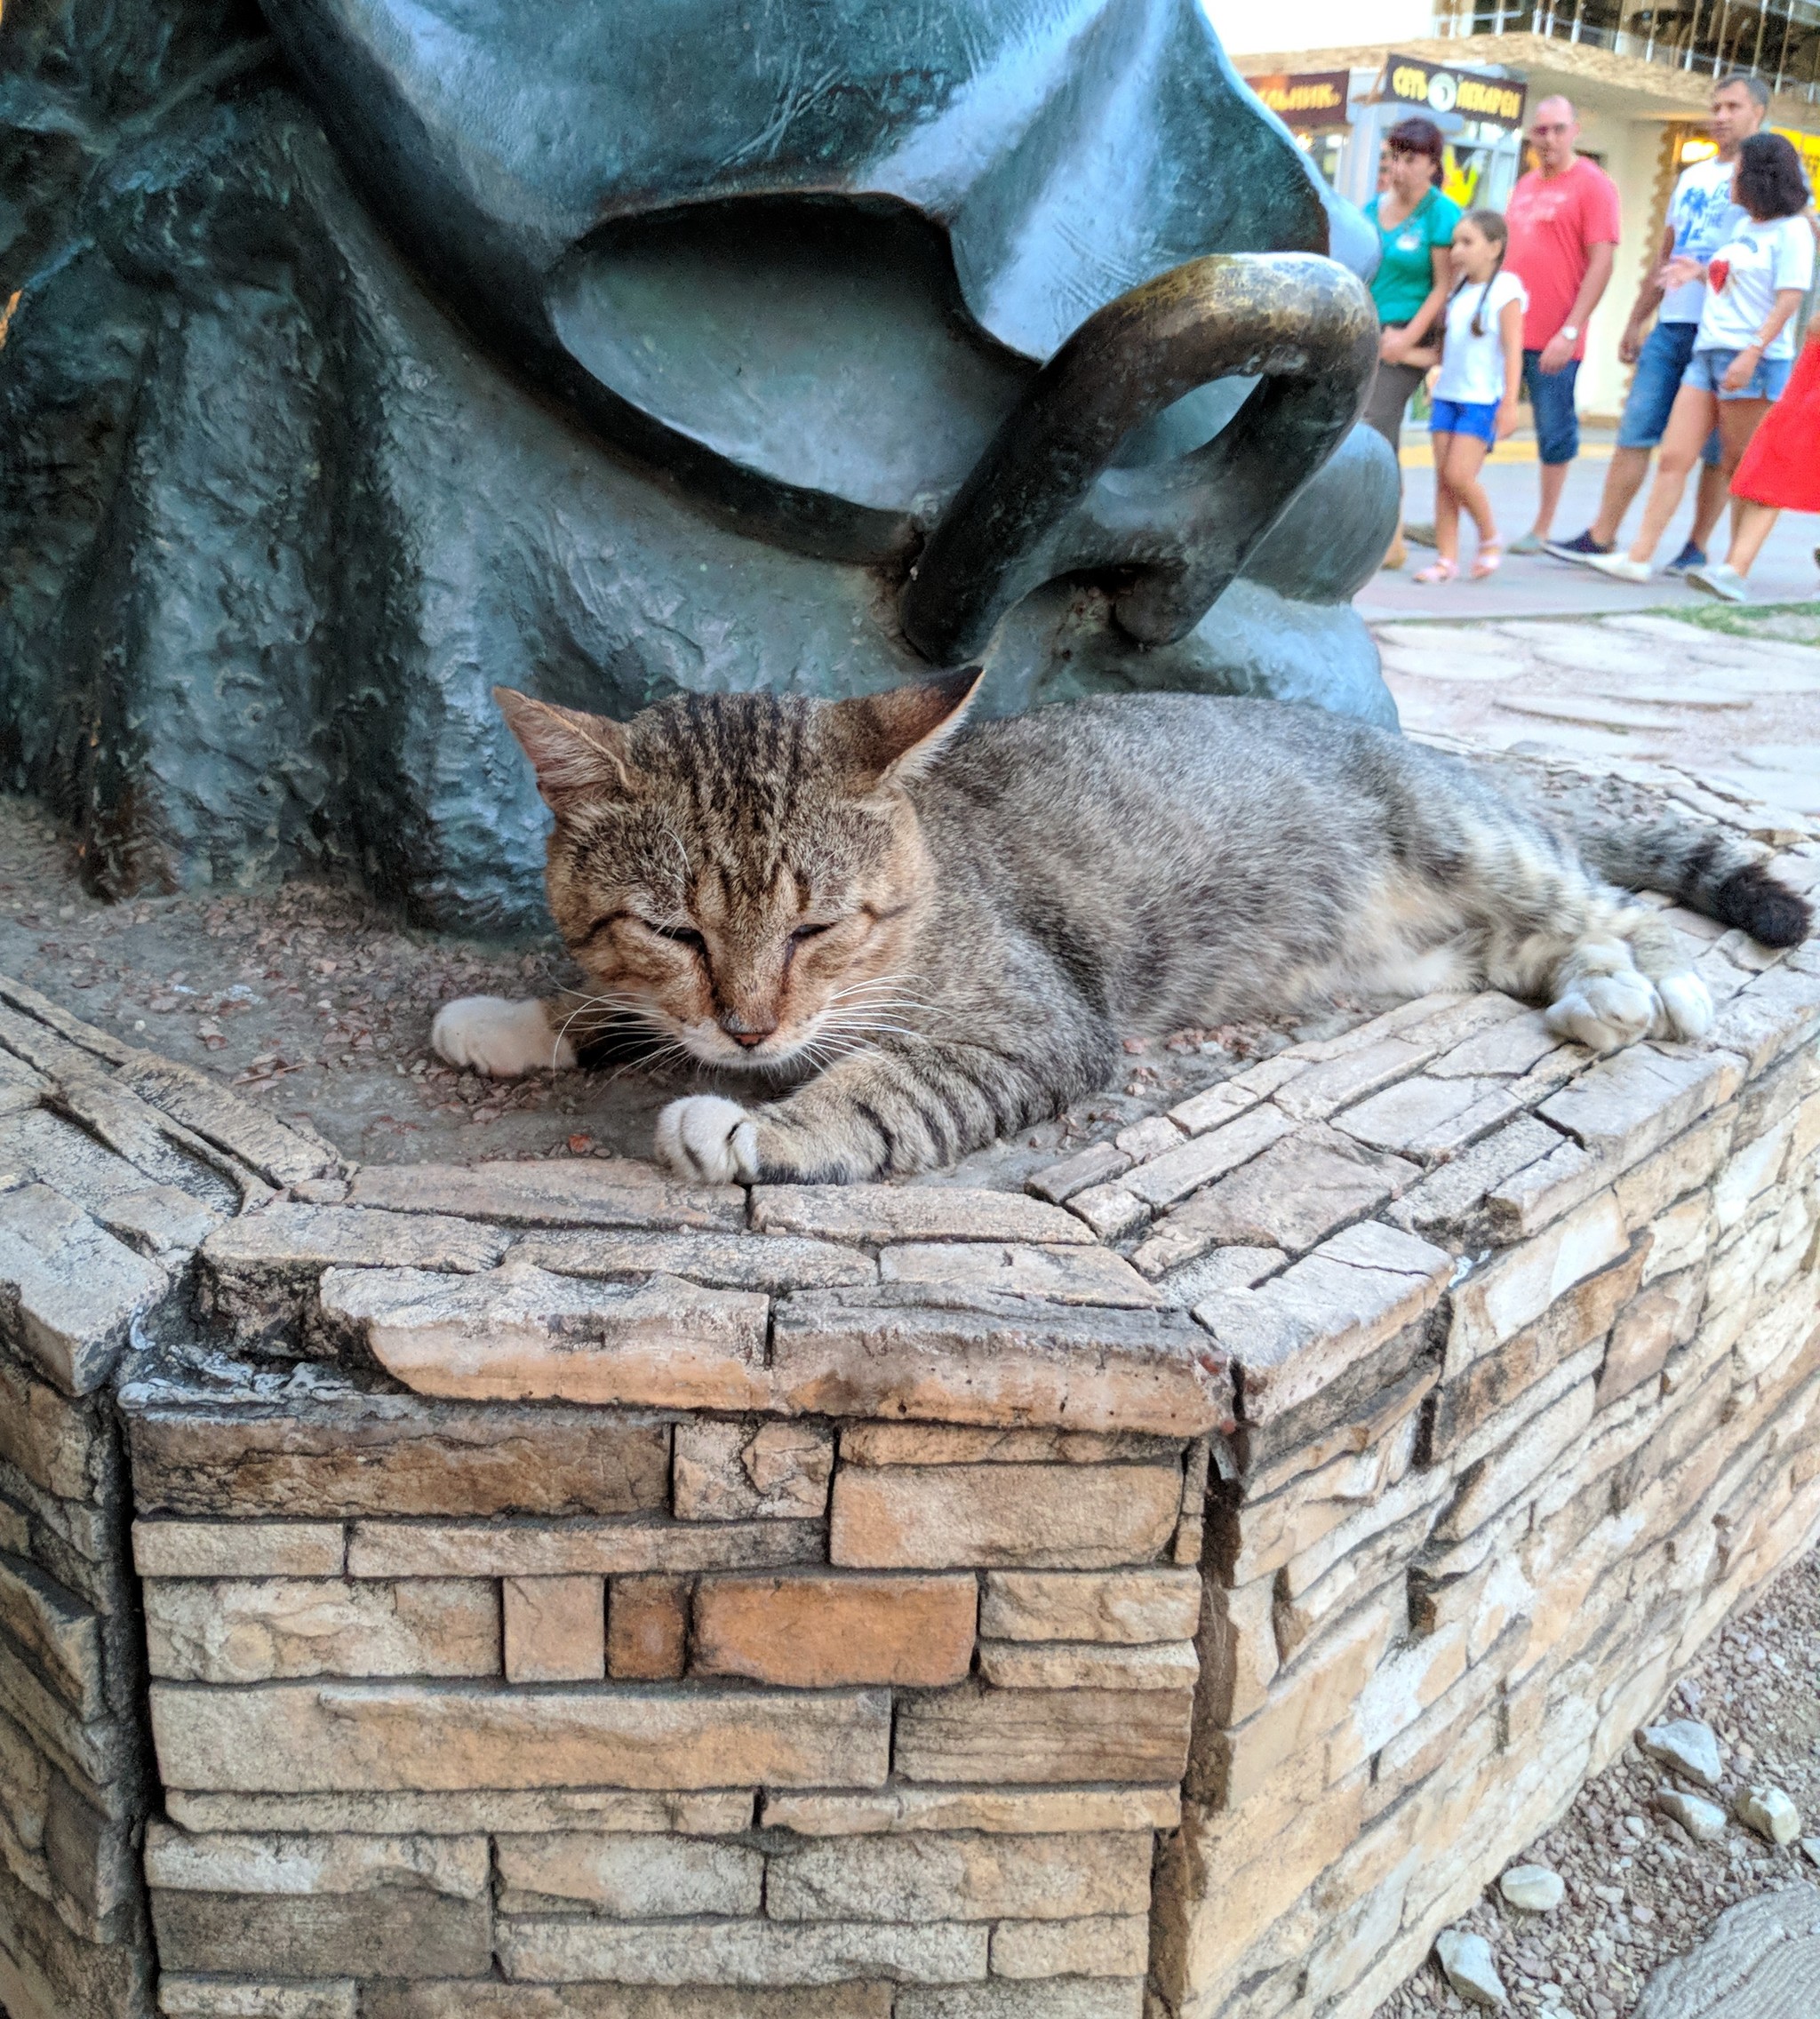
(1475,395)
(1746,342)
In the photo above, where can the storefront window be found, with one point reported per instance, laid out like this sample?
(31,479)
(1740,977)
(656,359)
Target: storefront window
(1777,40)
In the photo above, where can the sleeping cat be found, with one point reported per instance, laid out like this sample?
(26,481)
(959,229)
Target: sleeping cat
(954,926)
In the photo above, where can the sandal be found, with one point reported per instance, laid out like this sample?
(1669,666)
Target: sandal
(1440,571)
(1490,561)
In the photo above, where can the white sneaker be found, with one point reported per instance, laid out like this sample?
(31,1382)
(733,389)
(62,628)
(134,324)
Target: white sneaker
(1620,565)
(1720,579)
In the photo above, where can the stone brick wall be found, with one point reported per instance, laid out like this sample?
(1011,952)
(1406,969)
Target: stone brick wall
(1168,1590)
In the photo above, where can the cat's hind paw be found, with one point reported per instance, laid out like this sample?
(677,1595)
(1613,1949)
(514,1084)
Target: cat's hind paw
(1605,1012)
(1686,1006)
(486,1034)
(707,1139)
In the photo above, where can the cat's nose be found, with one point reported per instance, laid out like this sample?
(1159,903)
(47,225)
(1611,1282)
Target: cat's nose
(745,1031)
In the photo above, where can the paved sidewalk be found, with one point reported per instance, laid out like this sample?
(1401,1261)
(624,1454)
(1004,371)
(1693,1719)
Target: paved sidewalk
(1616,691)
(1785,572)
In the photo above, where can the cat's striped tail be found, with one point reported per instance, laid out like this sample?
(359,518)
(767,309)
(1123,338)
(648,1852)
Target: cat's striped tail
(1703,868)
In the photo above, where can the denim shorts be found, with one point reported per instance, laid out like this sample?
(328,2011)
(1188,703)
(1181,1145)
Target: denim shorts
(1464,417)
(1661,365)
(1552,402)
(1766,383)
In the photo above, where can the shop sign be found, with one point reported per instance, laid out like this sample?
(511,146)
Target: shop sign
(1437,87)
(1808,146)
(1306,98)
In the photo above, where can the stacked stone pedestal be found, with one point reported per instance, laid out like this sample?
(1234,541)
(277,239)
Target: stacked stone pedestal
(1171,1591)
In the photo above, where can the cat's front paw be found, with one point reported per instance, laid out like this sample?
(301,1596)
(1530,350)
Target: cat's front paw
(705,1137)
(486,1034)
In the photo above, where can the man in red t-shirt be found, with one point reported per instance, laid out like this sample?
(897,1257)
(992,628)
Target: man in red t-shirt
(1564,218)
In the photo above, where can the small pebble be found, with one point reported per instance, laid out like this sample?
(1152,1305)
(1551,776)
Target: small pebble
(1770,1813)
(1533,1888)
(1470,1967)
(1689,1747)
(1704,1821)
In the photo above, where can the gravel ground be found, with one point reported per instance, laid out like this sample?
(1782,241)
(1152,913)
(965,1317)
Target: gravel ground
(1639,1889)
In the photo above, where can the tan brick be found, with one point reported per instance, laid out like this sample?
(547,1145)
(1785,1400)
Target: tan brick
(1043,1735)
(521,1812)
(1432,1119)
(1648,1329)
(721,1261)
(233,1630)
(1518,1287)
(319,1737)
(1088,1664)
(1005,1811)
(571,1949)
(1005,1997)
(1149,1137)
(1625,1107)
(1296,1334)
(1304,1705)
(948,1444)
(1492,1483)
(881,1213)
(482,1549)
(215,1998)
(517,1334)
(1108,1211)
(1454,1197)
(1291,1197)
(72,1290)
(1097,1164)
(647,1628)
(51,1439)
(500,2000)
(1224,1269)
(1198,1162)
(811,1633)
(392,1454)
(1238,1648)
(175,1860)
(727,1471)
(238,1548)
(934,1516)
(1510,1048)
(630,1878)
(1349,1076)
(555,1629)
(285,1245)
(575,1192)
(397,1932)
(1104,1946)
(1064,1275)
(1685,1164)
(959,1878)
(1770,1015)
(1111,1605)
(1005,1362)
(61,1633)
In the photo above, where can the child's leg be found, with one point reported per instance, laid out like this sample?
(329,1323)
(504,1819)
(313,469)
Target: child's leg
(1446,507)
(1466,458)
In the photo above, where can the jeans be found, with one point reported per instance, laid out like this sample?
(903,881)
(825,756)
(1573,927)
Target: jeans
(1709,367)
(1662,363)
(1551,400)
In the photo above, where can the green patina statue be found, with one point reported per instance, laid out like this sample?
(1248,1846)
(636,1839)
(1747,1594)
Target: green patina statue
(366,355)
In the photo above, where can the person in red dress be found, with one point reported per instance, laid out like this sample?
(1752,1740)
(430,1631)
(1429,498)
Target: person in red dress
(1779,472)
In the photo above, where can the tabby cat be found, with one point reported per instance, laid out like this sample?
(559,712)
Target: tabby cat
(951,928)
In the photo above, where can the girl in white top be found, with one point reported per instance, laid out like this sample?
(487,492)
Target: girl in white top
(1742,354)
(1475,395)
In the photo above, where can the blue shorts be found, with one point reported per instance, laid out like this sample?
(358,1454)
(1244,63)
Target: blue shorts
(1766,382)
(1552,402)
(1661,365)
(1464,417)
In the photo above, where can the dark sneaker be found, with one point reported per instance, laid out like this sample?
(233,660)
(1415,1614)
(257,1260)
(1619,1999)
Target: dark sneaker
(1578,547)
(1690,556)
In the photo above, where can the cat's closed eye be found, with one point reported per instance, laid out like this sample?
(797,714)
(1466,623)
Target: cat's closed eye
(813,930)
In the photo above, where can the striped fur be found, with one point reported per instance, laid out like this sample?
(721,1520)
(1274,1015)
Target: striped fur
(949,929)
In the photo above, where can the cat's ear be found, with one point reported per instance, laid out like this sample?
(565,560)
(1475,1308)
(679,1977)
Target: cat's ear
(576,756)
(894,736)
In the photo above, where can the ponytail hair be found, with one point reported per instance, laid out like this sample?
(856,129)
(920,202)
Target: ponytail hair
(1491,225)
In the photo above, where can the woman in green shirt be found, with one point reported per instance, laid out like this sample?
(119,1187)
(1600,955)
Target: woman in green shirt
(1414,229)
